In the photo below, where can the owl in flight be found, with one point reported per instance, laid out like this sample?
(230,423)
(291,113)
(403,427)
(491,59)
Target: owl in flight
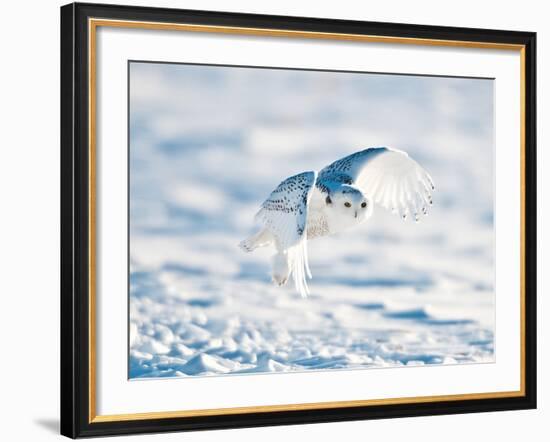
(341,196)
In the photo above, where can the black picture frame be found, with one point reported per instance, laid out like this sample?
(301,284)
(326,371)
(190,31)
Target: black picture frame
(75,220)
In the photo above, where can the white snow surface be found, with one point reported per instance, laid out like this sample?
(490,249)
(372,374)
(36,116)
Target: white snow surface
(208,144)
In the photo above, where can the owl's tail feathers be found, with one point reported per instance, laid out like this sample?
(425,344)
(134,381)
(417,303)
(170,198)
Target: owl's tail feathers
(291,261)
(298,263)
(261,239)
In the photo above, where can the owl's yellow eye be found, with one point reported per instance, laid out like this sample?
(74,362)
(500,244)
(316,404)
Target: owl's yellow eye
(363,204)
(347,204)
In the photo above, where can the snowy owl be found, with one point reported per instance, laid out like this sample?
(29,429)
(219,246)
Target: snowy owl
(339,197)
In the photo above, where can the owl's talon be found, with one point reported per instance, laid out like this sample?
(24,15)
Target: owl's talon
(279,281)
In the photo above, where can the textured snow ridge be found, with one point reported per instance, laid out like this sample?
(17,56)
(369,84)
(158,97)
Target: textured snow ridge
(208,144)
(250,327)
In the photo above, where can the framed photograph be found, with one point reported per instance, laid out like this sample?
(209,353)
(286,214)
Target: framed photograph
(274,220)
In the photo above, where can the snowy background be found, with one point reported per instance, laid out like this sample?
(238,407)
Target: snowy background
(208,144)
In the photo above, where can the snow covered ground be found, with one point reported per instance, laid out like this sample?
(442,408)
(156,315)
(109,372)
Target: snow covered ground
(208,144)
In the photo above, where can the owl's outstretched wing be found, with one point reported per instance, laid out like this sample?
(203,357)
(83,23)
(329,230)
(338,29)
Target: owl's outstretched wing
(388,176)
(284,213)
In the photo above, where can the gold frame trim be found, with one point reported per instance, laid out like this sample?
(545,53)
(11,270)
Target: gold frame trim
(93,24)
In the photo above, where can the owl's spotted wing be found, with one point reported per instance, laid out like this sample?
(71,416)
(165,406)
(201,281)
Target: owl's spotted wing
(285,213)
(388,176)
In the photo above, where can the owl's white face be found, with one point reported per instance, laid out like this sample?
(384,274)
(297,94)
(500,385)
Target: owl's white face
(346,208)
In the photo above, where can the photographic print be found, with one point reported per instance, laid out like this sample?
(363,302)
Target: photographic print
(253,206)
(285,220)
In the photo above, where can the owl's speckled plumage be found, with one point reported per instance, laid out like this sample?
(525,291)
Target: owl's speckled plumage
(341,196)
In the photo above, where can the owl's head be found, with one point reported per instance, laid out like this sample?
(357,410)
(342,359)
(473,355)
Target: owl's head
(349,204)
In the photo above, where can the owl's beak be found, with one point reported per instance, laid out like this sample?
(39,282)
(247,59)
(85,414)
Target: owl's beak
(356,214)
